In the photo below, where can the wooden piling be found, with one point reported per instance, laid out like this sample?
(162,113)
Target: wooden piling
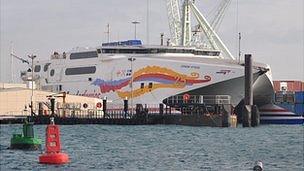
(248,91)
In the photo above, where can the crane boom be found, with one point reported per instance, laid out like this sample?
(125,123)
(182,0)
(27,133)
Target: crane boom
(213,38)
(174,21)
(186,24)
(215,23)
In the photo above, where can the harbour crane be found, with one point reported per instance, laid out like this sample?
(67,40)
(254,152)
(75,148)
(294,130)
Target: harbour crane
(180,27)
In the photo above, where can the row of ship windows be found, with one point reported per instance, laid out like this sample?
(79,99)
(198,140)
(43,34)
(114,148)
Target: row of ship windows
(37,68)
(80,55)
(94,54)
(68,71)
(154,51)
(77,71)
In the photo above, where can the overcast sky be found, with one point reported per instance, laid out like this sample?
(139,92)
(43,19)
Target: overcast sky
(272,29)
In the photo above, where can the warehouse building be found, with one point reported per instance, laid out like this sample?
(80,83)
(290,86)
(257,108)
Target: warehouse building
(15,100)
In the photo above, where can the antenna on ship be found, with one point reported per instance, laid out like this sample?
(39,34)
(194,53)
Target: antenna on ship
(240,53)
(135,23)
(108,32)
(161,39)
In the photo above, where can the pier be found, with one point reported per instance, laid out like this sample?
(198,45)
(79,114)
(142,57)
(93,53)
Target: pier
(192,110)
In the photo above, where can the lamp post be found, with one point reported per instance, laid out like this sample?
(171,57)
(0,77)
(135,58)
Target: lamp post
(132,59)
(32,57)
(135,23)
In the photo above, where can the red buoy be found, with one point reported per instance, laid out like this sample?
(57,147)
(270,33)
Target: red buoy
(53,154)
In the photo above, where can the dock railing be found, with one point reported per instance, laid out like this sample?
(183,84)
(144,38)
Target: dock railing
(174,105)
(199,99)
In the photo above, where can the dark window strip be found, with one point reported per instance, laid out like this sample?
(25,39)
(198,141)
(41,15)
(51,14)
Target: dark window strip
(80,70)
(84,55)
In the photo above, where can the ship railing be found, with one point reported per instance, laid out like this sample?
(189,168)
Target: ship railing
(58,56)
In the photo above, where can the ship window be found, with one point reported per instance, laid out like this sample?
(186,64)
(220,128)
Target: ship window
(52,72)
(80,70)
(46,67)
(84,55)
(142,85)
(150,85)
(37,68)
(162,51)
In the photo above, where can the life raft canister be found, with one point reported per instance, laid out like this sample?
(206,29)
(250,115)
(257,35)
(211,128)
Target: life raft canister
(99,105)
(186,97)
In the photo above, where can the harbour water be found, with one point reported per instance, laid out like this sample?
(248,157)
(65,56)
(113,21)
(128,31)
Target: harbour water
(160,147)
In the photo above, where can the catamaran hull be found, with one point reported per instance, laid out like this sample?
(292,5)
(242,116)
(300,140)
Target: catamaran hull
(150,80)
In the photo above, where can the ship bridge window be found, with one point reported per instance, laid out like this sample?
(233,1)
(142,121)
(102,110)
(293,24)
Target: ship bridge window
(37,68)
(212,53)
(84,55)
(207,53)
(171,51)
(46,67)
(80,70)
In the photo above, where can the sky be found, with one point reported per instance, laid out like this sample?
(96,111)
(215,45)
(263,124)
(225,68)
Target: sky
(272,30)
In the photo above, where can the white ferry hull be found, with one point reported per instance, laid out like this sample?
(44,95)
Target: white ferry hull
(155,78)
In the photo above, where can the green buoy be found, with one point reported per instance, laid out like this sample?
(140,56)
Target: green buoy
(27,141)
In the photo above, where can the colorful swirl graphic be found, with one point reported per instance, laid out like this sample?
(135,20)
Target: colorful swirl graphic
(160,76)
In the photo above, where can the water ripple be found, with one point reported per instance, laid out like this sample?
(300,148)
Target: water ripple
(159,147)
